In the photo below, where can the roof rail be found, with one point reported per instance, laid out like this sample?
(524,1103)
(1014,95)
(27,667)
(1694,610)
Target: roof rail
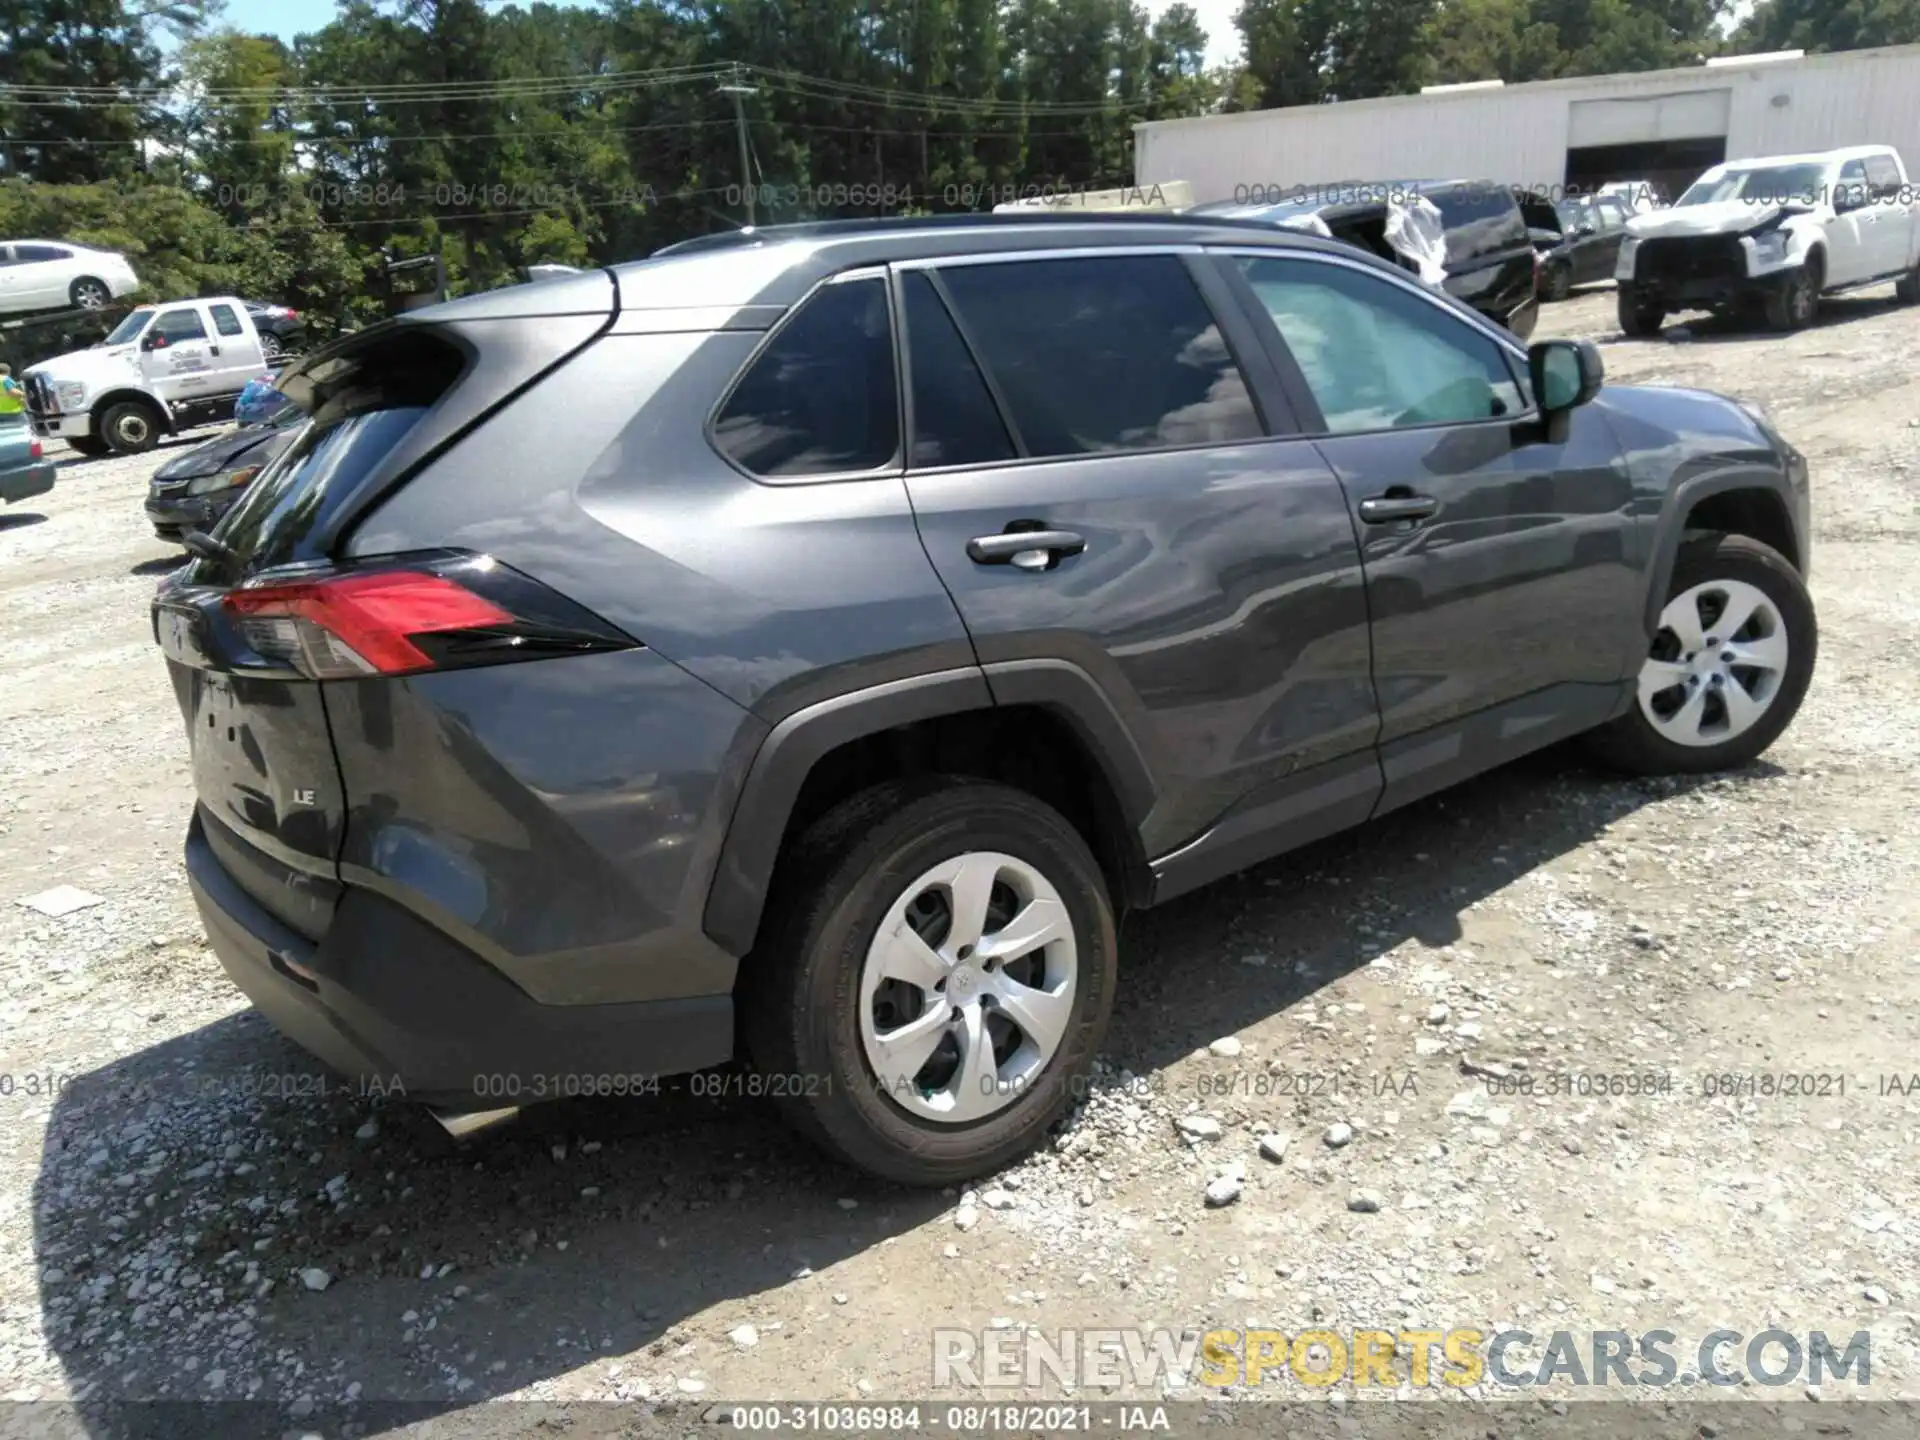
(970,220)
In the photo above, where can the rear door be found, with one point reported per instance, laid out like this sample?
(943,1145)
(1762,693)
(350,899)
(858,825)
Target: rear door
(1501,589)
(1894,214)
(44,273)
(177,354)
(1489,254)
(1204,568)
(235,347)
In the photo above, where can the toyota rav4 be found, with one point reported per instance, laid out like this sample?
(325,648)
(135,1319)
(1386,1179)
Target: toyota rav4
(803,647)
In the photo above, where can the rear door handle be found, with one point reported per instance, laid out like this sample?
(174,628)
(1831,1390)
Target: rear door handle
(1385,509)
(1026,549)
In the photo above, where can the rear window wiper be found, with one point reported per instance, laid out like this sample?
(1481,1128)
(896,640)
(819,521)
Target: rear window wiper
(217,552)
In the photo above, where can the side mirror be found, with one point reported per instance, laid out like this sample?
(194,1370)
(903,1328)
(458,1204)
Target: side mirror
(1584,231)
(1565,373)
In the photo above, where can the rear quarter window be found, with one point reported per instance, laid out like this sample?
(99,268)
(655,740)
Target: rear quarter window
(358,418)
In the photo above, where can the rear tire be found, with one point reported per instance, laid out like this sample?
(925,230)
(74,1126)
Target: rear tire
(1557,283)
(1692,715)
(130,428)
(1640,319)
(826,1003)
(1907,288)
(90,294)
(270,347)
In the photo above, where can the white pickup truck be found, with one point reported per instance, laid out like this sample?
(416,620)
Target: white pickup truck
(1774,235)
(163,369)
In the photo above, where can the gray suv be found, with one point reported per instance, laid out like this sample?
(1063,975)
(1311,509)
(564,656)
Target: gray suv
(800,647)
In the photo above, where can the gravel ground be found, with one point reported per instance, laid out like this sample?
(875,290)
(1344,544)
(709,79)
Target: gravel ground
(1327,1041)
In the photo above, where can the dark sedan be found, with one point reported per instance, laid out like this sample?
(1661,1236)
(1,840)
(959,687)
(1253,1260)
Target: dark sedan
(282,331)
(193,491)
(1578,239)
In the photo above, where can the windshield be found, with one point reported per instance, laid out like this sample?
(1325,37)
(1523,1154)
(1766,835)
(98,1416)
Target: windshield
(129,329)
(1763,185)
(1575,213)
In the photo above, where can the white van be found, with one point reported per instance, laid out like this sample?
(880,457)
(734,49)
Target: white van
(163,369)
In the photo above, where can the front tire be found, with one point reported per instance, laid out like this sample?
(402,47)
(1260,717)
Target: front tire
(130,428)
(1640,319)
(1793,305)
(91,446)
(1556,283)
(933,979)
(1728,668)
(1907,288)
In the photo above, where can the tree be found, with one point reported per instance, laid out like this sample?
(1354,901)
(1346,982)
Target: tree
(1828,25)
(101,50)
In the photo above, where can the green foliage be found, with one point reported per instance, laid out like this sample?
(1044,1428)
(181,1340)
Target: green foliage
(1828,25)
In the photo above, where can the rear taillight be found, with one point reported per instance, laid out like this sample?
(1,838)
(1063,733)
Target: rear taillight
(436,612)
(35,450)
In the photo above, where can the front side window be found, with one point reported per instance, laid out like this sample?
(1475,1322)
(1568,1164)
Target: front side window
(1105,353)
(177,325)
(820,398)
(1378,357)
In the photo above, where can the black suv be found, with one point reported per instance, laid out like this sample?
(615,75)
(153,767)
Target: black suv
(1489,252)
(806,646)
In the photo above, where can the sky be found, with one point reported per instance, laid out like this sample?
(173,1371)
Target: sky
(287,18)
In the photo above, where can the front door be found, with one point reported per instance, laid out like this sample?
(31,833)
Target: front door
(177,355)
(1194,561)
(1498,575)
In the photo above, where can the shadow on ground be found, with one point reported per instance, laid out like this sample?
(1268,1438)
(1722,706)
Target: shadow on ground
(20,520)
(1702,328)
(591,1230)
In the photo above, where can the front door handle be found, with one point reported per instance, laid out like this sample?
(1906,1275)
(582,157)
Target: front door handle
(1385,509)
(1026,549)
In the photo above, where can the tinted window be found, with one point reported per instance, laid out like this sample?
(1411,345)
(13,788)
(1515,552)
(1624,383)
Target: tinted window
(820,398)
(225,321)
(276,514)
(955,421)
(1884,176)
(1378,357)
(1110,353)
(1481,218)
(178,325)
(28,254)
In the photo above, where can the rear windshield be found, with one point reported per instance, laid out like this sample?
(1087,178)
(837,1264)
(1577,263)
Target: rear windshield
(355,425)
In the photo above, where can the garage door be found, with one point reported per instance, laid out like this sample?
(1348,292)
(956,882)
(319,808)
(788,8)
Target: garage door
(1689,115)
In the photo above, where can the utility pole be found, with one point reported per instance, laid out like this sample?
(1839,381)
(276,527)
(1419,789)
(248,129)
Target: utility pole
(737,90)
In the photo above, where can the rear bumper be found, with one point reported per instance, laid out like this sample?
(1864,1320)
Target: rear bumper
(393,1005)
(25,482)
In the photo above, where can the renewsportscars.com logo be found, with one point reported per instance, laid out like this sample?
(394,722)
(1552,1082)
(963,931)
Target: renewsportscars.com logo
(1459,1358)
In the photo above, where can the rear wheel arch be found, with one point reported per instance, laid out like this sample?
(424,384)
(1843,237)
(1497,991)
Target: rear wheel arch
(1052,734)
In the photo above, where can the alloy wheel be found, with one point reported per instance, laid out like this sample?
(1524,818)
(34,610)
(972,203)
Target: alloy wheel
(967,989)
(1716,665)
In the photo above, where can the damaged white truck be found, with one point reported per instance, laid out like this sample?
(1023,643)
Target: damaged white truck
(1771,237)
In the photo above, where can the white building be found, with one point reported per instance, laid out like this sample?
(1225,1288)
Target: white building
(1661,125)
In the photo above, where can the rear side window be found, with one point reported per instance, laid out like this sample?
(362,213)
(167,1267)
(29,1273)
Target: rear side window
(225,321)
(820,398)
(955,421)
(1100,354)
(29,254)
(178,325)
(1884,176)
(1481,218)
